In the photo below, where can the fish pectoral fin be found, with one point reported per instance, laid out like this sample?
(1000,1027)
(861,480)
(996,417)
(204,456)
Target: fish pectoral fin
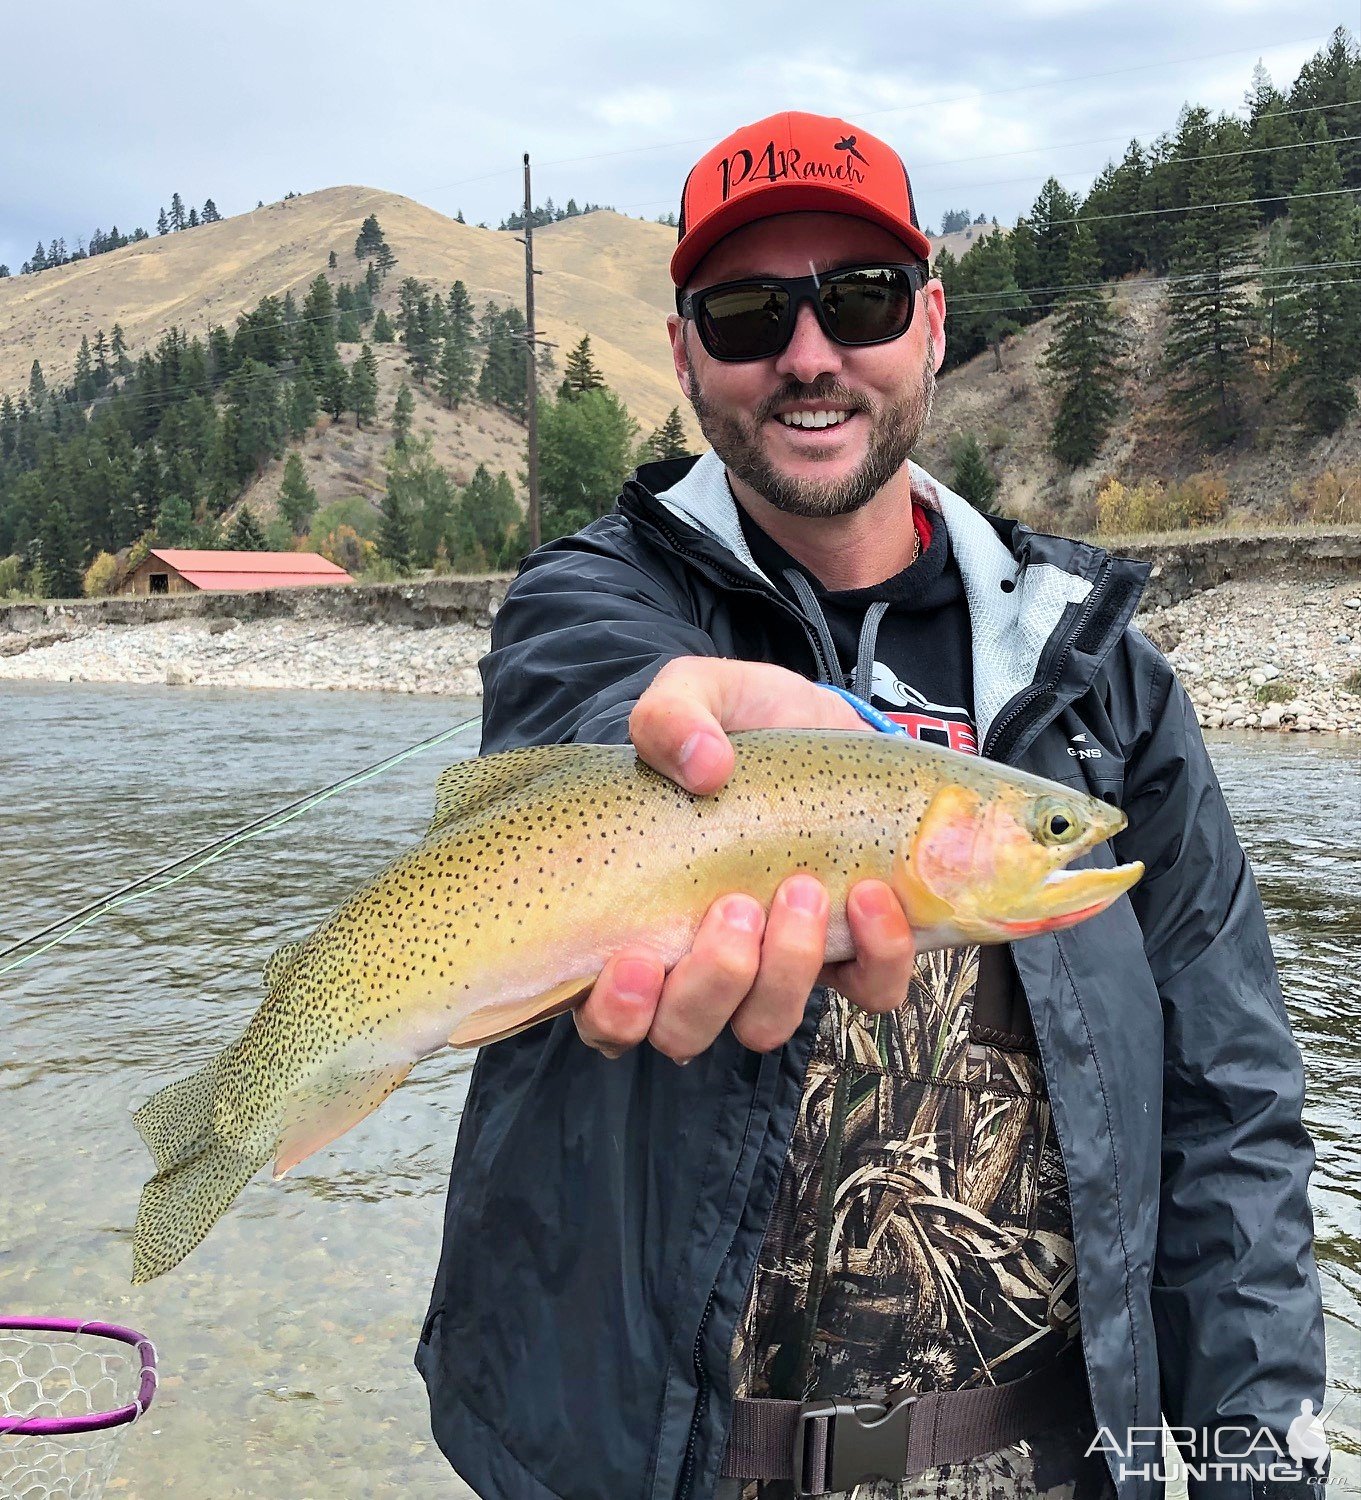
(470,786)
(503,1019)
(314,1117)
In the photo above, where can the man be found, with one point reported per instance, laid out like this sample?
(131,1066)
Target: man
(1054,1190)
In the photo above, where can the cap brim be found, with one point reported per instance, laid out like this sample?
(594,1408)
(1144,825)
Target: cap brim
(786,198)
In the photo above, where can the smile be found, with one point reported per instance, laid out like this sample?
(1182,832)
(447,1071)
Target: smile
(814,418)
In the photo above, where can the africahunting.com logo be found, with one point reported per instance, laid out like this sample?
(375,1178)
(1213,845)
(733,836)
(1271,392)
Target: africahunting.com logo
(1222,1453)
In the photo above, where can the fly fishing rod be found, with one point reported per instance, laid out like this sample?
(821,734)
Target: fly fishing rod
(63,927)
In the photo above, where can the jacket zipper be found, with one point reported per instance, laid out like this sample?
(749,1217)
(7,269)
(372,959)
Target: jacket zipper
(701,1404)
(1012,716)
(830,671)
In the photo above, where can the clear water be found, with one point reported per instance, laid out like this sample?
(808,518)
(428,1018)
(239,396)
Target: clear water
(286,1338)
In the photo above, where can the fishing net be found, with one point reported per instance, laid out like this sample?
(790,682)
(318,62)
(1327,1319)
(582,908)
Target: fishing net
(68,1392)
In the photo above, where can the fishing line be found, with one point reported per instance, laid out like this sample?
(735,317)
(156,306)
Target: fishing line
(65,926)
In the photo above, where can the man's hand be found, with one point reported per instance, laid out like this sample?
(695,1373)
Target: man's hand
(742,967)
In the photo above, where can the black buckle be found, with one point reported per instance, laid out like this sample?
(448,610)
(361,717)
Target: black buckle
(865,1440)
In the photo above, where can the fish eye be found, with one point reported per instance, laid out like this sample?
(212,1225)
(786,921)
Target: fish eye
(1055,822)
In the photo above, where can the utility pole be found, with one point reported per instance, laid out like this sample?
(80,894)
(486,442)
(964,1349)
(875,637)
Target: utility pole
(531,368)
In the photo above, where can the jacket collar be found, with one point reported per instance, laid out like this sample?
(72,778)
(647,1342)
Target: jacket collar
(1019,584)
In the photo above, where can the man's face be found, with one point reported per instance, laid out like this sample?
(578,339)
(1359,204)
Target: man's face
(887,388)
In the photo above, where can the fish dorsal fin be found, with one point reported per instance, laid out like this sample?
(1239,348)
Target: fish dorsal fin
(278,965)
(472,785)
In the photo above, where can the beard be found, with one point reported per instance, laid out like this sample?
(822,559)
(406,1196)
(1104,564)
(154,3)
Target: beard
(894,433)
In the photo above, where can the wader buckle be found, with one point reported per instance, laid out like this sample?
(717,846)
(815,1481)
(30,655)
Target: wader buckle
(839,1444)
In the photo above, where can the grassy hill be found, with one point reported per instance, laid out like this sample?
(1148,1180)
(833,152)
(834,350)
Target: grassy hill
(604,275)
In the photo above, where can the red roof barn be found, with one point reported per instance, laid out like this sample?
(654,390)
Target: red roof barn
(184,570)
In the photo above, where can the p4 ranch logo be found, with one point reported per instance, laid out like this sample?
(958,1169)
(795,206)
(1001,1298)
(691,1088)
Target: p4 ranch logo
(775,163)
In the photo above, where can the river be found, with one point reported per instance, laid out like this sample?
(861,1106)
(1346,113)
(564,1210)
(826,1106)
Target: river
(286,1338)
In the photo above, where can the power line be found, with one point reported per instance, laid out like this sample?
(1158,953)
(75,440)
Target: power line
(935,103)
(1087,286)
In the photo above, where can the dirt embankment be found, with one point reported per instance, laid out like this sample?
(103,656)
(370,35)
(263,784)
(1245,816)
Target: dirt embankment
(1264,629)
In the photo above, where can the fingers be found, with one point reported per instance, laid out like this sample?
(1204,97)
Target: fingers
(709,983)
(618,1012)
(876,979)
(792,952)
(751,971)
(679,725)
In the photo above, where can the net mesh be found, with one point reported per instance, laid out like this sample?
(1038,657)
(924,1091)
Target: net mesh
(61,1375)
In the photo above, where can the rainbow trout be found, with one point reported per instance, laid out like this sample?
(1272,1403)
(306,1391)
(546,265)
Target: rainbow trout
(539,864)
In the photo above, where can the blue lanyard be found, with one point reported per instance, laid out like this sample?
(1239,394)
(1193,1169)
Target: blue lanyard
(867,712)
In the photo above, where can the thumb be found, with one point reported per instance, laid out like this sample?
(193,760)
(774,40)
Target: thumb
(680,725)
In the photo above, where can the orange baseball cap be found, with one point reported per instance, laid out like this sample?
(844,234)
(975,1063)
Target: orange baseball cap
(792,163)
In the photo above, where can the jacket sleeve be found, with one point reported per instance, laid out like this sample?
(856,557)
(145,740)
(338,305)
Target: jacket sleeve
(1235,1292)
(581,633)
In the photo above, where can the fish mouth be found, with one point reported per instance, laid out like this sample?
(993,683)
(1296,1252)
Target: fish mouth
(1068,897)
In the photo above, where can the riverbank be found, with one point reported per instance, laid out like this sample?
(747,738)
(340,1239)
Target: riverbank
(1265,631)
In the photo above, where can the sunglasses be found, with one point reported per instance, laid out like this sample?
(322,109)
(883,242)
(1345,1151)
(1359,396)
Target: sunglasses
(855,305)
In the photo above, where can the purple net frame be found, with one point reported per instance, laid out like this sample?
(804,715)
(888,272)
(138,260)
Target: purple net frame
(93,1421)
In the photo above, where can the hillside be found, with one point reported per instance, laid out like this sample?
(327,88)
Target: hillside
(603,274)
(1265,472)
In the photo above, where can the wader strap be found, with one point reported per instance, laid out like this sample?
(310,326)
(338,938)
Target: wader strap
(830,1446)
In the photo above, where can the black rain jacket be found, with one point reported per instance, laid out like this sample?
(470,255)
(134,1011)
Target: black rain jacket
(604,1217)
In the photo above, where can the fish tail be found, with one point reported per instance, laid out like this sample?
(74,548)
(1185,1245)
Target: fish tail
(198,1174)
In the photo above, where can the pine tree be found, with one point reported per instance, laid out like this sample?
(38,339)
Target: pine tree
(991,296)
(245,534)
(302,404)
(193,218)
(1319,307)
(395,533)
(102,372)
(162,223)
(455,375)
(118,347)
(316,327)
(364,387)
(385,260)
(297,498)
(1275,259)
(331,261)
(335,389)
(210,213)
(60,561)
(1209,309)
(582,374)
(1082,360)
(973,476)
(382,328)
(1053,218)
(86,388)
(174,523)
(37,387)
(176,212)
(669,440)
(402,409)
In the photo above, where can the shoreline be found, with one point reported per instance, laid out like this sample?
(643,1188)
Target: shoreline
(1280,654)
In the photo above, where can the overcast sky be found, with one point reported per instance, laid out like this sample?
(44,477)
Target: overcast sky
(105,110)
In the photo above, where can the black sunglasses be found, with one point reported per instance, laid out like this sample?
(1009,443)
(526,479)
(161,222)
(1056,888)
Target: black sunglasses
(754,319)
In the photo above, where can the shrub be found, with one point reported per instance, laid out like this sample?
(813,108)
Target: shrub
(353,511)
(11,576)
(1330,497)
(346,548)
(1277,691)
(1151,506)
(379,570)
(102,576)
(1351,683)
